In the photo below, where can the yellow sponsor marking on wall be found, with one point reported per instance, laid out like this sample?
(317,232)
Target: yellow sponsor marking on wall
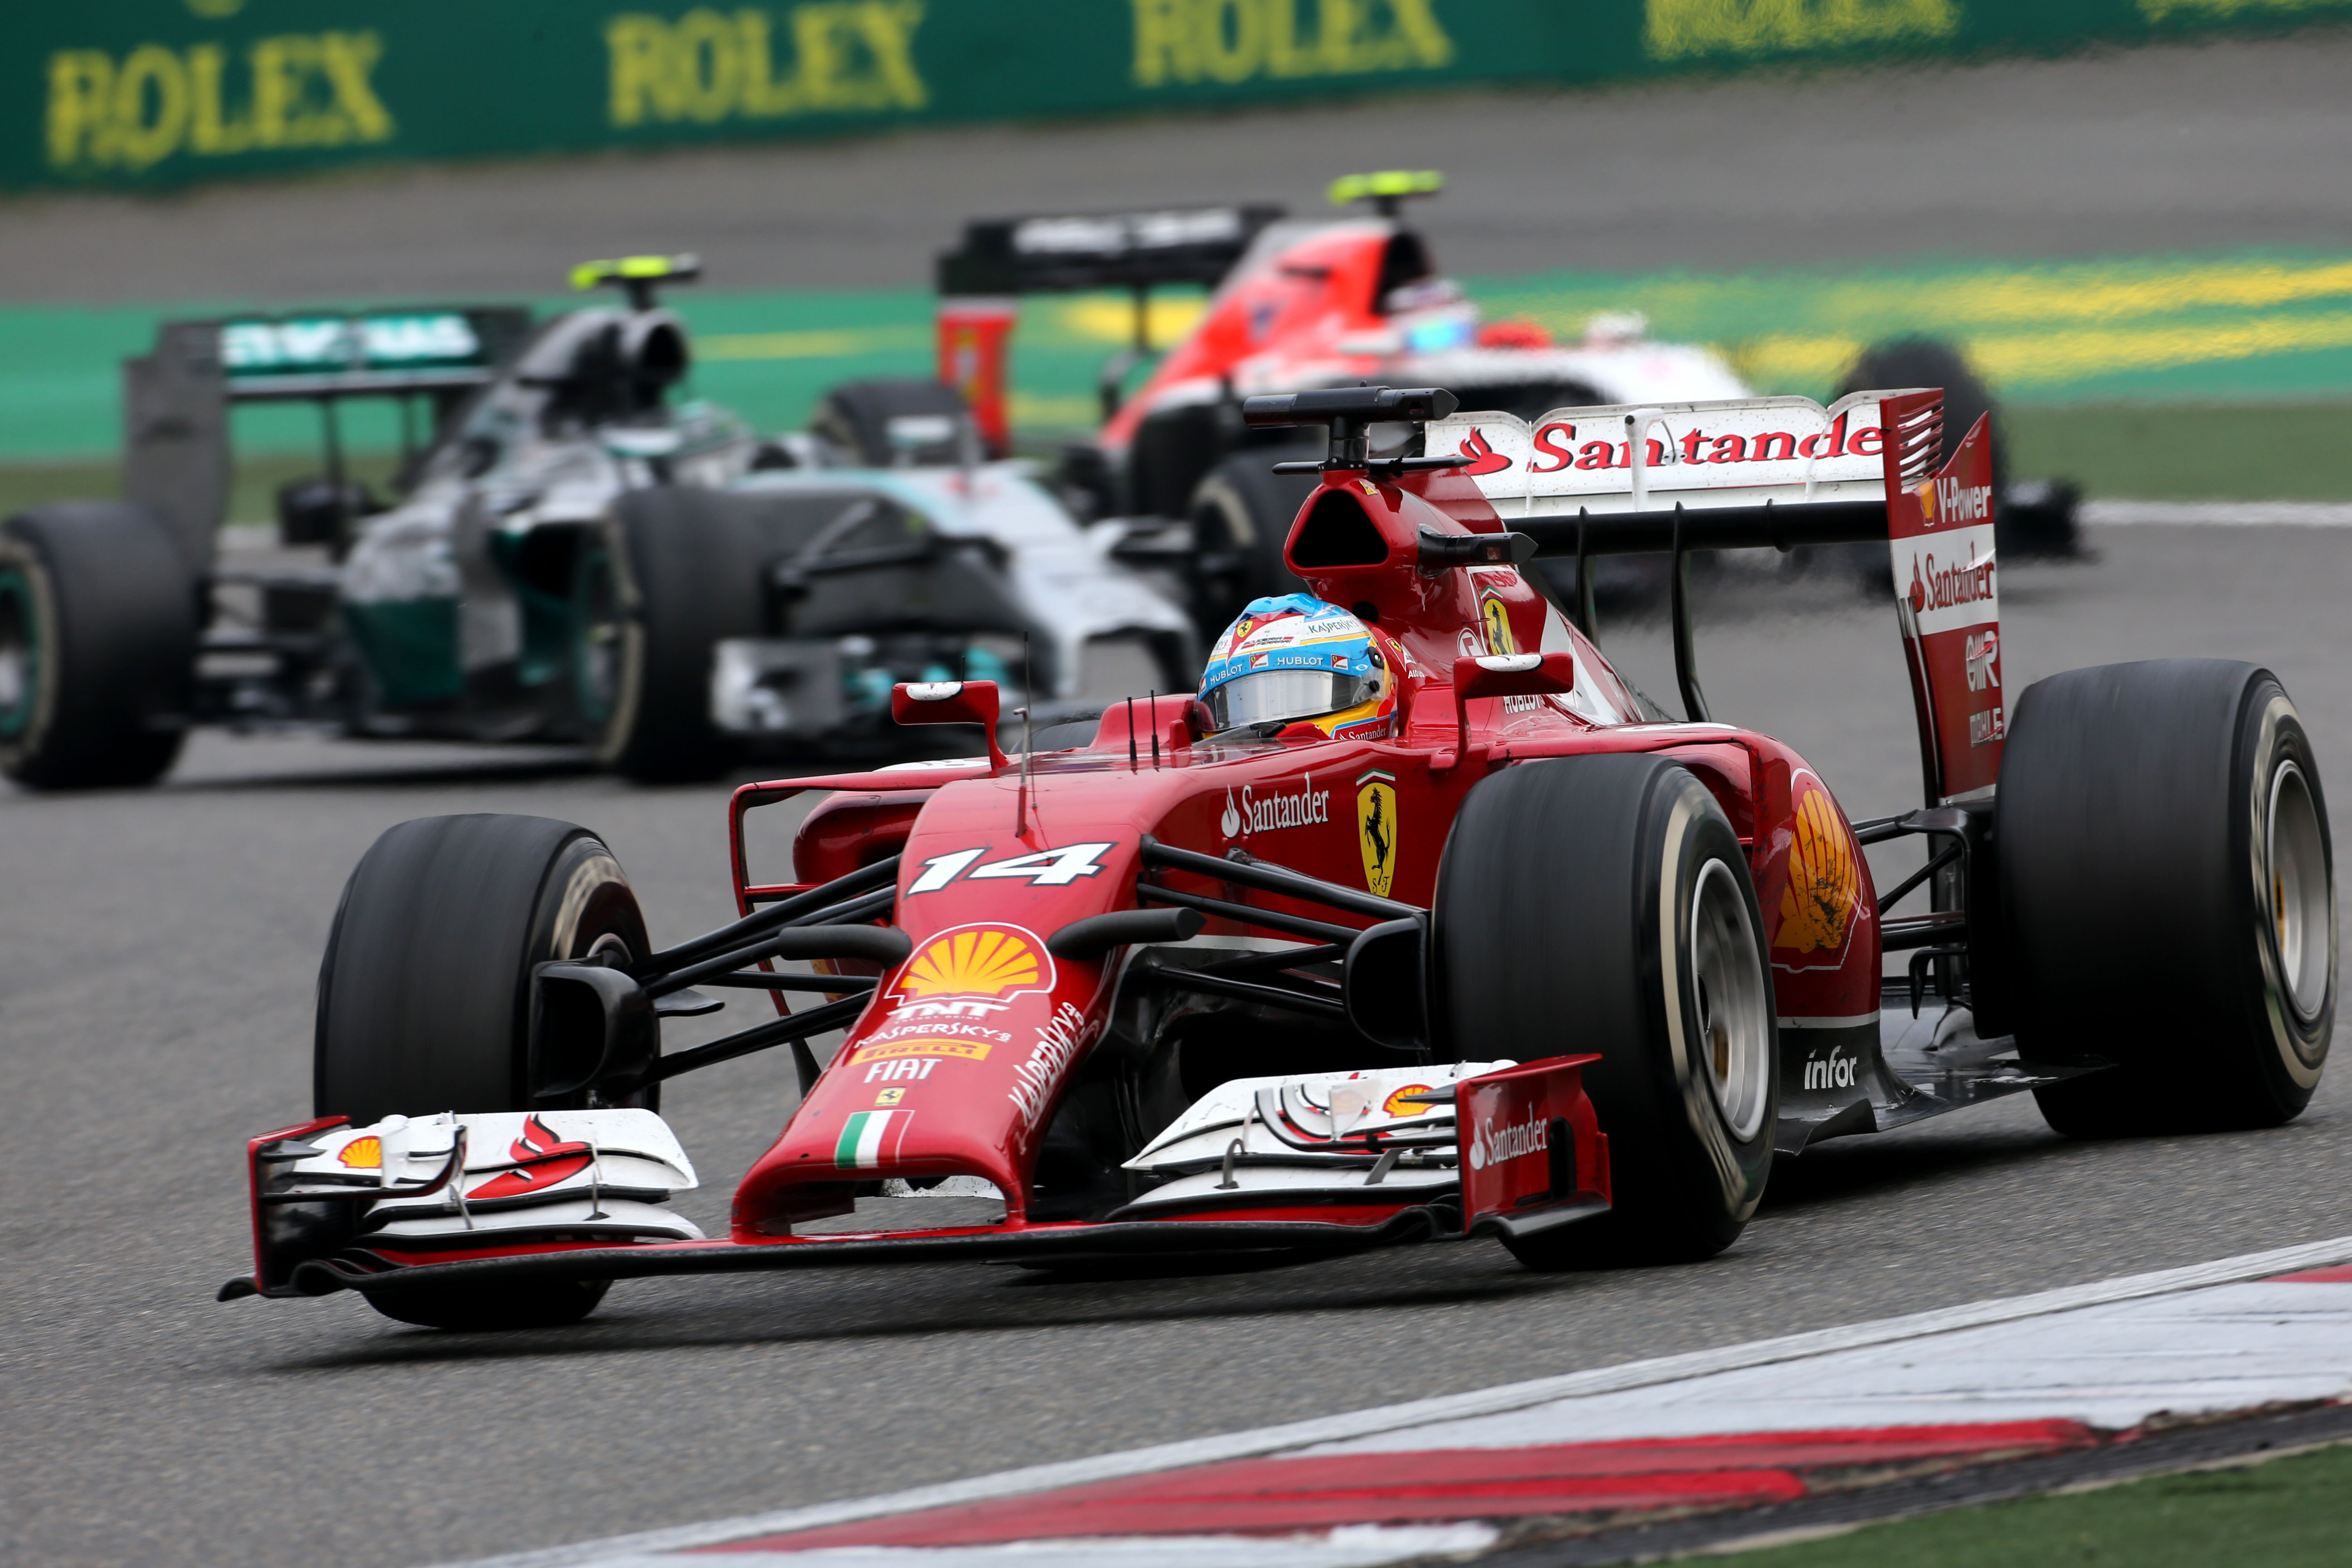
(2055,358)
(2206,10)
(1676,28)
(1110,319)
(710,66)
(297,89)
(819,345)
(1188,41)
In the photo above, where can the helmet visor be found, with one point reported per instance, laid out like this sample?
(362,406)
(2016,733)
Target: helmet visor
(1272,696)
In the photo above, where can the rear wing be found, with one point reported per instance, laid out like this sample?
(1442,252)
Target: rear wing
(378,354)
(1003,258)
(1075,252)
(1778,472)
(177,397)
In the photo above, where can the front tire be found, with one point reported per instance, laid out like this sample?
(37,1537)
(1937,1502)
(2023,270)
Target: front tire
(425,998)
(98,647)
(2167,885)
(1602,904)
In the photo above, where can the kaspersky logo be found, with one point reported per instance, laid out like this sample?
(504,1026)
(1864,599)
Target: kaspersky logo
(1493,1145)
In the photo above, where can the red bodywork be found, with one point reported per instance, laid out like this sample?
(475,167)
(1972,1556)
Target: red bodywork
(1003,1023)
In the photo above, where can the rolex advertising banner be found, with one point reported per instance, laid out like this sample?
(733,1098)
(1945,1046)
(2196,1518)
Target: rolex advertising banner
(151,93)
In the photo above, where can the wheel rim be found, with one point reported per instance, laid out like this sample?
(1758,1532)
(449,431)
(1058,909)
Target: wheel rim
(596,637)
(2297,859)
(1735,1029)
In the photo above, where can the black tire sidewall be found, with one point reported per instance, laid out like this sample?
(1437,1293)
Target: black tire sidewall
(118,607)
(686,571)
(2132,829)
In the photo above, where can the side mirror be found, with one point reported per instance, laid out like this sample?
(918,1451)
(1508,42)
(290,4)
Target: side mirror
(1505,675)
(950,702)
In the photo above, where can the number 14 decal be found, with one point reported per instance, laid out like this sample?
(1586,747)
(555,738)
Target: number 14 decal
(1046,868)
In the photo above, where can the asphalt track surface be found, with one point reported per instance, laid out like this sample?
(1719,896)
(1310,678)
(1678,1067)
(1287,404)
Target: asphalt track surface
(2225,144)
(157,955)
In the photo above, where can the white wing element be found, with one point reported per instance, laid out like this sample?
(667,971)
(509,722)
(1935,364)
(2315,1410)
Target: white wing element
(1627,458)
(1314,1136)
(581,1173)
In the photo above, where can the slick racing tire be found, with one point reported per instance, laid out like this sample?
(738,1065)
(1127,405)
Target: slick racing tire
(98,647)
(1602,904)
(2168,888)
(425,998)
(1241,512)
(683,574)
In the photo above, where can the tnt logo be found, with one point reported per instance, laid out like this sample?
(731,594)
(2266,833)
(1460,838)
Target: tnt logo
(1984,660)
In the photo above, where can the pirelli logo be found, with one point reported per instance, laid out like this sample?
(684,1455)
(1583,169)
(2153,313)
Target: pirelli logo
(971,1051)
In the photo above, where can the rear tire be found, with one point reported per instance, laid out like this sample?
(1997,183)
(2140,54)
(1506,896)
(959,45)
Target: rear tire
(684,567)
(425,998)
(98,647)
(1920,362)
(1602,904)
(2167,885)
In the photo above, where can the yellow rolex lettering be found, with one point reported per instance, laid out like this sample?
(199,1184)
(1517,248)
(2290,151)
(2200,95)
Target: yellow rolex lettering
(1231,37)
(81,106)
(151,108)
(278,67)
(706,56)
(350,58)
(1425,42)
(211,131)
(764,97)
(709,67)
(1238,40)
(815,35)
(638,49)
(1163,43)
(889,27)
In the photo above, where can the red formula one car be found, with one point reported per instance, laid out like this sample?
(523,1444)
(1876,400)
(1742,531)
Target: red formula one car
(1423,924)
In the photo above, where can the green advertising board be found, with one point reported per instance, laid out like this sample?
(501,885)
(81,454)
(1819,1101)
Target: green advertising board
(133,93)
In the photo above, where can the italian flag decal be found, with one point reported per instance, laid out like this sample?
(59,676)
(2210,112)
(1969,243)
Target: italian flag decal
(863,1135)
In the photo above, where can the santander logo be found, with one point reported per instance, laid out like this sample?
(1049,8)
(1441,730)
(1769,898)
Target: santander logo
(1484,459)
(1492,1145)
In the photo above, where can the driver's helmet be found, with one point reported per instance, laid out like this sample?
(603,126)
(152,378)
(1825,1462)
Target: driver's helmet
(1293,657)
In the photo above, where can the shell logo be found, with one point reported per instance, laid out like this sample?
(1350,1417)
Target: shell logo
(1824,885)
(1396,1104)
(1925,490)
(362,1154)
(978,961)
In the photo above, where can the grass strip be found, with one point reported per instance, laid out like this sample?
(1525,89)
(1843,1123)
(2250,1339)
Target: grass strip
(2290,1512)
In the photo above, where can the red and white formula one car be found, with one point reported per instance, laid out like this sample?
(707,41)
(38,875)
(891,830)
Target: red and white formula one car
(1421,924)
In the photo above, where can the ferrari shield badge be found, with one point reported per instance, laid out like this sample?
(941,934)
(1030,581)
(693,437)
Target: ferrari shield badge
(1495,617)
(1376,828)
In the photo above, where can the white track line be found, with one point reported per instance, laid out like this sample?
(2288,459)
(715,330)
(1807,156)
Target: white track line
(2218,513)
(1445,1408)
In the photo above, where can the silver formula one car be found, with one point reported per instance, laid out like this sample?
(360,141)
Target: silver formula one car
(573,553)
